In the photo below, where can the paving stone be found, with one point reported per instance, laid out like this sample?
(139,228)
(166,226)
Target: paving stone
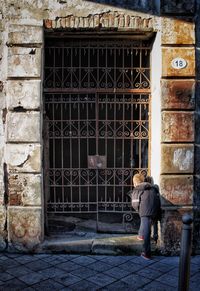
(101,280)
(161,267)
(1,283)
(51,259)
(194,286)
(28,289)
(9,263)
(117,272)
(56,260)
(117,286)
(83,260)
(5,276)
(194,270)
(174,272)
(37,265)
(52,272)
(149,273)
(25,259)
(169,279)
(10,255)
(42,256)
(195,260)
(156,286)
(172,261)
(85,286)
(3,257)
(68,266)
(13,285)
(98,257)
(68,279)
(99,266)
(105,273)
(196,278)
(17,272)
(48,285)
(115,261)
(139,260)
(71,257)
(135,281)
(84,272)
(130,266)
(32,278)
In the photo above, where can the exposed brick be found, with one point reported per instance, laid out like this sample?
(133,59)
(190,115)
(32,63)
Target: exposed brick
(24,189)
(105,20)
(48,23)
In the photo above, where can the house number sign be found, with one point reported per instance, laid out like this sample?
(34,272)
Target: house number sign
(179,63)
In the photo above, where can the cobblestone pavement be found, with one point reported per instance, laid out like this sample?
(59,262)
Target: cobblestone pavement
(92,272)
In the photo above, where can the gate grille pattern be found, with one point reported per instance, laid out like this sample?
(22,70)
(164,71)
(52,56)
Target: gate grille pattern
(84,126)
(97,64)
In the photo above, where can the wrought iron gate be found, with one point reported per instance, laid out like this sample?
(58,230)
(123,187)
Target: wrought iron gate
(96,123)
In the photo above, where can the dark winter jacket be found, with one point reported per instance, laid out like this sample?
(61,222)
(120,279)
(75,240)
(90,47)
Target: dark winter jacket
(146,200)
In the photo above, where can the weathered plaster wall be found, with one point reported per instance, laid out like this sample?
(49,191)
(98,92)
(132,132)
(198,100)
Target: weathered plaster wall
(21,50)
(21,216)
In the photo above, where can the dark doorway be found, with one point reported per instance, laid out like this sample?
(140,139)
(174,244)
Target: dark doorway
(96,128)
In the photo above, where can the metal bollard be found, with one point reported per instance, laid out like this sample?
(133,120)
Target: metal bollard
(184,262)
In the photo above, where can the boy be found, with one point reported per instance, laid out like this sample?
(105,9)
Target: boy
(146,201)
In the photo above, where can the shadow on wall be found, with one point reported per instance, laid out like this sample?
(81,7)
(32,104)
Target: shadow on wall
(145,6)
(170,9)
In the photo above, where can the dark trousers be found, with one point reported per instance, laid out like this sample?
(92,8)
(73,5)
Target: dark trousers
(155,230)
(145,231)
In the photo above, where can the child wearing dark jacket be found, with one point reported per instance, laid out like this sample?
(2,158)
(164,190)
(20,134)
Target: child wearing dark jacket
(150,180)
(146,201)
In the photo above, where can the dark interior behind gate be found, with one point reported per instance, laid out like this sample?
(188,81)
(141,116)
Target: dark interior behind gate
(96,127)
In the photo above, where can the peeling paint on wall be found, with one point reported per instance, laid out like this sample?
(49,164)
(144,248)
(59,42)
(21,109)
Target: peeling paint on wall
(182,159)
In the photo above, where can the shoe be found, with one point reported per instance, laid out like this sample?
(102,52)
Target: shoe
(140,237)
(146,257)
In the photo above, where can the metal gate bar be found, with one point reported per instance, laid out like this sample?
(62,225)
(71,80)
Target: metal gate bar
(121,146)
(96,111)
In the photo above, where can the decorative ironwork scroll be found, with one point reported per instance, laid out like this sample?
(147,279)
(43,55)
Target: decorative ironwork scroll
(96,96)
(90,64)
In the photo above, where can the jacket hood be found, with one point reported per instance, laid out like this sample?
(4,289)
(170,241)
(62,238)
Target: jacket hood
(143,186)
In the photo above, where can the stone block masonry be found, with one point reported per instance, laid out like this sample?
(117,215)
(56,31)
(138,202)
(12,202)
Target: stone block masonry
(178,115)
(22,28)
(24,210)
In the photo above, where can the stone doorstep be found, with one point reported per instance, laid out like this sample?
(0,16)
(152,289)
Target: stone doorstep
(109,245)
